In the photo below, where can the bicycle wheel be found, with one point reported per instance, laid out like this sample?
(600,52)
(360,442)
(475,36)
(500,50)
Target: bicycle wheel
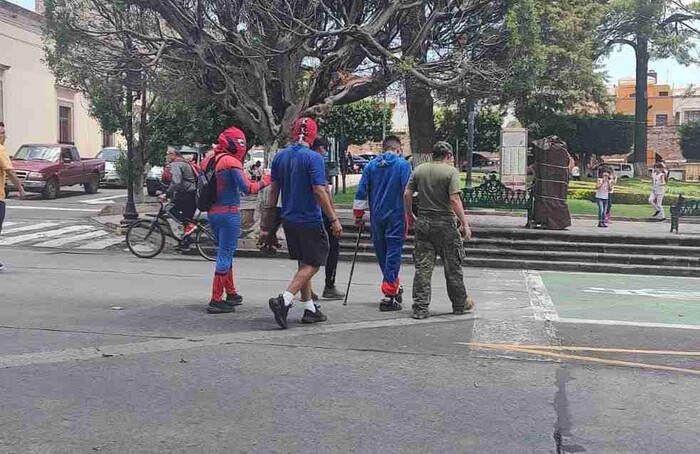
(206,243)
(145,239)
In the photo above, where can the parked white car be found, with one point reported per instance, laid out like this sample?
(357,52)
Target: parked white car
(623,170)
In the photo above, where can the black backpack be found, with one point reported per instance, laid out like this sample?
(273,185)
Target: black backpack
(206,186)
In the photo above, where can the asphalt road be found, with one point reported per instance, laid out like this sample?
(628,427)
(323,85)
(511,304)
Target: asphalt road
(73,203)
(100,351)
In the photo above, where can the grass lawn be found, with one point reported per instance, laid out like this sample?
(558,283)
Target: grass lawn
(689,190)
(575,206)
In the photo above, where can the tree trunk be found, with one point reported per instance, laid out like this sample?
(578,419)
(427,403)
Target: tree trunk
(419,99)
(641,106)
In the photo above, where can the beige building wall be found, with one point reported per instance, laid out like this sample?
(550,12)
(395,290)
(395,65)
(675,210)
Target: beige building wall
(30,97)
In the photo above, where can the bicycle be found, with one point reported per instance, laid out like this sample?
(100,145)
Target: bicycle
(146,237)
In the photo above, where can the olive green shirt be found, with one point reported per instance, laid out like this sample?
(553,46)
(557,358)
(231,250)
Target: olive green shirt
(435,182)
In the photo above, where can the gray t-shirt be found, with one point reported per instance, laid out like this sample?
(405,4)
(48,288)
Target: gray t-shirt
(435,182)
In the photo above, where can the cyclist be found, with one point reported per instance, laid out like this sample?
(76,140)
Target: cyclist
(224,216)
(182,191)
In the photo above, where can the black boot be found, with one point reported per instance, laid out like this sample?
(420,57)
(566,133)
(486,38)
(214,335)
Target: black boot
(332,293)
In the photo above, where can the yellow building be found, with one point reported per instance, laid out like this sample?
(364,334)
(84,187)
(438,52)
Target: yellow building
(660,100)
(33,107)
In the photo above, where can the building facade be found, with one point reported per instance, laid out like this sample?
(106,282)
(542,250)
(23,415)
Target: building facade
(33,107)
(660,113)
(686,105)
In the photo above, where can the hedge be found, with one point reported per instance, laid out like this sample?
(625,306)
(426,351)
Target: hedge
(619,197)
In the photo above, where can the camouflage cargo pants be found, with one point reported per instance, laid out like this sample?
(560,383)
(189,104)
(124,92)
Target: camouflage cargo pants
(438,236)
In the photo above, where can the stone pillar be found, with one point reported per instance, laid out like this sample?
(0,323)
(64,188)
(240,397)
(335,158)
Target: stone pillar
(514,156)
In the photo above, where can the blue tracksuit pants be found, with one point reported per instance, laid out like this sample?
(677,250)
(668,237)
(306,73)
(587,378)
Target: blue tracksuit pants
(388,237)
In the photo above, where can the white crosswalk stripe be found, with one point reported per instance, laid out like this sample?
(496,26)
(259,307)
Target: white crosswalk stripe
(73,239)
(59,235)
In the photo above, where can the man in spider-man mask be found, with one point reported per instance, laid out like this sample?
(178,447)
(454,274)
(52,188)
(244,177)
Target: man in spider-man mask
(224,215)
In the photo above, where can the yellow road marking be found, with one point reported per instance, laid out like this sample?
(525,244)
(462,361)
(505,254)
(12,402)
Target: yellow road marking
(584,349)
(610,362)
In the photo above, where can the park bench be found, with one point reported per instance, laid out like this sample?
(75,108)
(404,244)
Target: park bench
(493,194)
(683,208)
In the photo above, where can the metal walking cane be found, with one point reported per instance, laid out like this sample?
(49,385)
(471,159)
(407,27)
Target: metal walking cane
(352,267)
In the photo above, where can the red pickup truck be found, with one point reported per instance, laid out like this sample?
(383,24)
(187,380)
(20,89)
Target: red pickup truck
(45,168)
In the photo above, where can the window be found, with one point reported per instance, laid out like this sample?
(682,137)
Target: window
(692,115)
(663,93)
(661,120)
(107,139)
(65,123)
(633,95)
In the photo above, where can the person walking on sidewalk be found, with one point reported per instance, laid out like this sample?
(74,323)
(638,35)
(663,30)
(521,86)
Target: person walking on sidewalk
(380,190)
(437,231)
(6,170)
(659,180)
(330,292)
(224,215)
(300,174)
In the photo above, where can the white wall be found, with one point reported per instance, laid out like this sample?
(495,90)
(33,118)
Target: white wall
(30,96)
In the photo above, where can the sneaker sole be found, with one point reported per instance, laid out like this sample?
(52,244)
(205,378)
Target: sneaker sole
(278,316)
(311,322)
(212,310)
(390,308)
(421,316)
(333,298)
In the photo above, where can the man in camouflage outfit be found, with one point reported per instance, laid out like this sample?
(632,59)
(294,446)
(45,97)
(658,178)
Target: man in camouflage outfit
(439,228)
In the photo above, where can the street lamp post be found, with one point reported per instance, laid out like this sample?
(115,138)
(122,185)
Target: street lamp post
(130,213)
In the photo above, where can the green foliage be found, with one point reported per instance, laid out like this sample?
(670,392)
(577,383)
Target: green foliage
(179,123)
(452,126)
(125,171)
(690,140)
(604,134)
(553,57)
(357,123)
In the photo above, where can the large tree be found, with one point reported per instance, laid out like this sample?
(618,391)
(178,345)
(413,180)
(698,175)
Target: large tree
(654,29)
(268,62)
(89,46)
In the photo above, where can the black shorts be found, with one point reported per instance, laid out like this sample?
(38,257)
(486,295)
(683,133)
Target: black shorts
(308,245)
(2,213)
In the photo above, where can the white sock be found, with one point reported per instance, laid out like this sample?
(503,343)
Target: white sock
(288,299)
(308,305)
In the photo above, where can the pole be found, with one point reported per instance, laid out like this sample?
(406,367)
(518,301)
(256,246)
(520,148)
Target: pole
(352,267)
(130,214)
(471,118)
(384,118)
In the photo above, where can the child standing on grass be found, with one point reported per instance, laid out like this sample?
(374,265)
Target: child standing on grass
(603,186)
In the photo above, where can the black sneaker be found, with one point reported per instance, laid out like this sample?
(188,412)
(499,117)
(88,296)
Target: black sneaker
(656,213)
(390,304)
(1,266)
(234,300)
(332,293)
(313,317)
(280,310)
(399,296)
(220,307)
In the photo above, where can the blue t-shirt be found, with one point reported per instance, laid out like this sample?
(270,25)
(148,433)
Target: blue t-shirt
(297,169)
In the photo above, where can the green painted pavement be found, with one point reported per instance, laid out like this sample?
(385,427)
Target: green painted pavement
(672,300)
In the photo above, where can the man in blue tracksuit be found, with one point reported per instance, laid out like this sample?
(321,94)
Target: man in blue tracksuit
(381,190)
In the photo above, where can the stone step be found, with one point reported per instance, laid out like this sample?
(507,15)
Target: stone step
(478,244)
(692,261)
(529,264)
